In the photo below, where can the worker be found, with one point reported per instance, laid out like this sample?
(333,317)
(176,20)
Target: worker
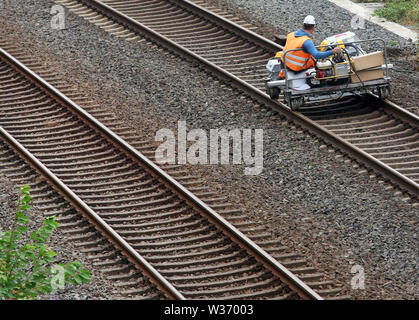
(303,59)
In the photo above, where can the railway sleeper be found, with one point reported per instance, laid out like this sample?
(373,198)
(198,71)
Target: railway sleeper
(104,263)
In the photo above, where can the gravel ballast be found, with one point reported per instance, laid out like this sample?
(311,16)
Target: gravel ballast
(318,206)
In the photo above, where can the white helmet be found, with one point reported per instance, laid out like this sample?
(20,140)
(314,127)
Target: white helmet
(309,20)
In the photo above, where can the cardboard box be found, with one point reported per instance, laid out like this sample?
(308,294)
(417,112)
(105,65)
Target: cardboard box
(367,75)
(370,60)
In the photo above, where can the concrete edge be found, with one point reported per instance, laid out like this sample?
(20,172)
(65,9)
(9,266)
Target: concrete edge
(366,14)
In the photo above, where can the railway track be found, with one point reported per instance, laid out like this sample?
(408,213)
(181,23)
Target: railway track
(379,135)
(161,240)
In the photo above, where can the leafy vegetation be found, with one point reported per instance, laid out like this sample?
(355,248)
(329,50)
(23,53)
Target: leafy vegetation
(402,11)
(27,266)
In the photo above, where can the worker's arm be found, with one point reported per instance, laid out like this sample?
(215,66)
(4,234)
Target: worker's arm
(308,46)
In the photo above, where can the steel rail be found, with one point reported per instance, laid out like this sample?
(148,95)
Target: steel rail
(230,25)
(161,282)
(328,136)
(232,232)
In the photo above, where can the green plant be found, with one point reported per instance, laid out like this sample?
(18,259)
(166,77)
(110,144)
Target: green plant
(26,265)
(404,11)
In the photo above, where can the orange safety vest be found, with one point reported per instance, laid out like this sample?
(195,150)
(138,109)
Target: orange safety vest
(297,60)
